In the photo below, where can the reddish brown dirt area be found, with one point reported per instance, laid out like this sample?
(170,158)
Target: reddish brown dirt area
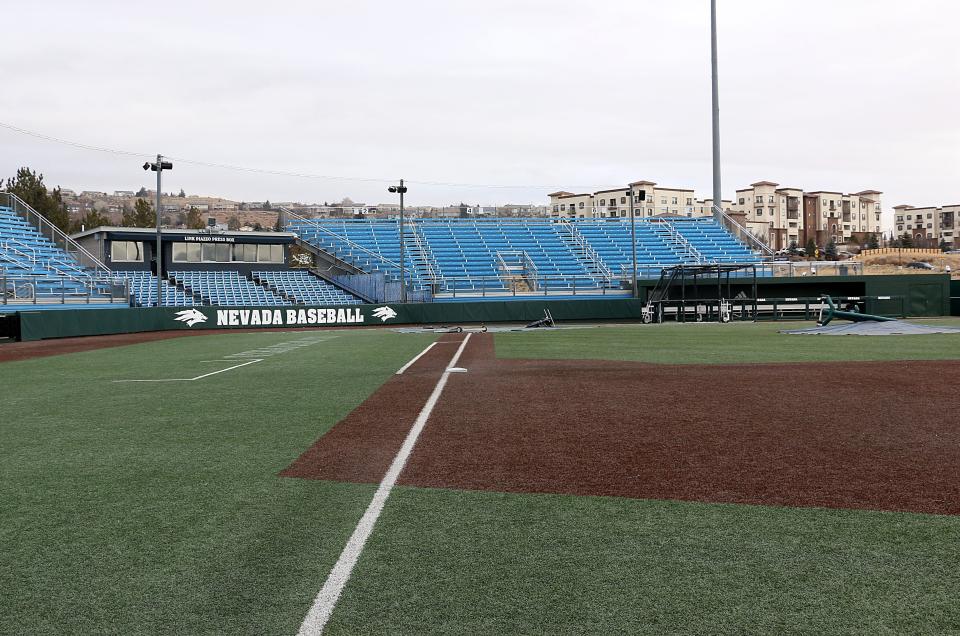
(841,435)
(56,346)
(42,348)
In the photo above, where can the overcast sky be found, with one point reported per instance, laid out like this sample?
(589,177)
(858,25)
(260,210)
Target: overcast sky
(819,94)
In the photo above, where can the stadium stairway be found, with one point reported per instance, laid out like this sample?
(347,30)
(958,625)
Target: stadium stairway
(36,270)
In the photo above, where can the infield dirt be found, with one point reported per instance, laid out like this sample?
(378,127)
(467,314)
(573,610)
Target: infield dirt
(865,435)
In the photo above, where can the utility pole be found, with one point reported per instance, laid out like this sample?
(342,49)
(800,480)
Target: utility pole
(717,197)
(633,243)
(401,190)
(159,167)
(159,242)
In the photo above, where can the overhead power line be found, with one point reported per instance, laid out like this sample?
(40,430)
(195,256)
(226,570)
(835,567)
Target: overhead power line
(285,173)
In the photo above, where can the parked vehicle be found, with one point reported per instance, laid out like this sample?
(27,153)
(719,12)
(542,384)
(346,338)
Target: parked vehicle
(920,265)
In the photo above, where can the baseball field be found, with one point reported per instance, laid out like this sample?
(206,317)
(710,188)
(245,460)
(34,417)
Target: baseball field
(607,480)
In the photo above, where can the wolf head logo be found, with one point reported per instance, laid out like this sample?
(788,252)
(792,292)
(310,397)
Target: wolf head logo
(384,313)
(190,316)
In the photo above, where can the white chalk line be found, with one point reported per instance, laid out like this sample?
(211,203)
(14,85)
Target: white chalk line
(199,377)
(264,353)
(415,358)
(326,600)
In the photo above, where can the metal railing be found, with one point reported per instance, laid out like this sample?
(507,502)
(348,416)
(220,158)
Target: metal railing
(51,232)
(19,289)
(588,250)
(540,285)
(424,248)
(339,237)
(745,235)
(674,234)
(813,268)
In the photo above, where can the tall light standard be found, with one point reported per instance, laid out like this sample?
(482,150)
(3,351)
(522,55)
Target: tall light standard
(401,190)
(717,198)
(641,196)
(159,167)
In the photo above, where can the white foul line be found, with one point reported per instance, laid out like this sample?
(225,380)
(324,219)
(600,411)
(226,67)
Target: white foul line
(326,599)
(417,357)
(199,377)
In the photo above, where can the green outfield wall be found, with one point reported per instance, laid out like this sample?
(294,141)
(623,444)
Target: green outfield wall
(919,295)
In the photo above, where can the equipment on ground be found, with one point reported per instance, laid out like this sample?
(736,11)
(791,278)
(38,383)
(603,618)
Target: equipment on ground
(829,311)
(546,321)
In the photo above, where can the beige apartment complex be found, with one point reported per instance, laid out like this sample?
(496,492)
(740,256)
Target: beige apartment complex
(779,216)
(927,226)
(615,202)
(783,216)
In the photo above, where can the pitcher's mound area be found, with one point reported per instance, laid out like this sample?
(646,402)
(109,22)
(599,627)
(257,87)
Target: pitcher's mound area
(874,435)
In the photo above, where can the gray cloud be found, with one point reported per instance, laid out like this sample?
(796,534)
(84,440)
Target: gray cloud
(841,94)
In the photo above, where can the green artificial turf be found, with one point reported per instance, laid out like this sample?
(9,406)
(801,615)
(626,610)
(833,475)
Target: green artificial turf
(146,508)
(734,343)
(155,507)
(454,562)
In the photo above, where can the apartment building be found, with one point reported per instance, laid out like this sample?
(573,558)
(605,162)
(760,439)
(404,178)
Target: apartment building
(842,217)
(928,226)
(782,216)
(615,202)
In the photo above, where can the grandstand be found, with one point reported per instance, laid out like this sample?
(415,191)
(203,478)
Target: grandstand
(35,270)
(498,255)
(302,287)
(219,287)
(143,290)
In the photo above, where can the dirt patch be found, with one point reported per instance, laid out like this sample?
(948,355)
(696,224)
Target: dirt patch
(362,446)
(56,346)
(865,435)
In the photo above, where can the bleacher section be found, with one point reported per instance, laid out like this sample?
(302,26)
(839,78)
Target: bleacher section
(372,246)
(217,287)
(34,269)
(480,254)
(493,254)
(143,290)
(302,287)
(715,243)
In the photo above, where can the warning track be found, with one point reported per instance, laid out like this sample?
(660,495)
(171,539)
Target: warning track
(839,435)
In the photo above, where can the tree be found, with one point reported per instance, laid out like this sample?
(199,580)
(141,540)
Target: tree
(266,205)
(182,195)
(29,186)
(830,251)
(811,248)
(181,218)
(793,248)
(944,246)
(233,223)
(194,222)
(142,192)
(872,242)
(142,215)
(906,240)
(276,226)
(88,221)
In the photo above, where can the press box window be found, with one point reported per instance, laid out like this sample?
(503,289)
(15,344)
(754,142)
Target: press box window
(126,251)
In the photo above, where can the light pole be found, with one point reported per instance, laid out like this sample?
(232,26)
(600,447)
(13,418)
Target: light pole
(633,244)
(401,190)
(159,167)
(717,198)
(641,196)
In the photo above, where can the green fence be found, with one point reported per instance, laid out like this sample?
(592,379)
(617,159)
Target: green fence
(918,295)
(59,324)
